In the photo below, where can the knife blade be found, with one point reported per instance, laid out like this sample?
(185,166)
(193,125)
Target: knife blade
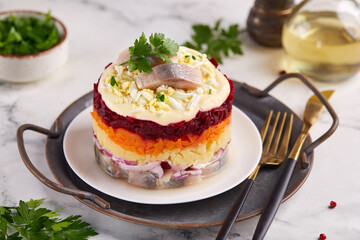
(312,112)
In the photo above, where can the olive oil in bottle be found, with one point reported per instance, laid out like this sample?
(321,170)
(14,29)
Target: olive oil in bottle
(323,45)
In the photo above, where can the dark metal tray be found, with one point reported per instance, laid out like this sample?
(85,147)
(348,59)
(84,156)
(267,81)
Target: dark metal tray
(204,213)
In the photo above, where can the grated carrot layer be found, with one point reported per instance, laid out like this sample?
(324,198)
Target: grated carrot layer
(134,142)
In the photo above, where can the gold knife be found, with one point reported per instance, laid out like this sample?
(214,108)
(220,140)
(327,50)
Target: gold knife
(312,112)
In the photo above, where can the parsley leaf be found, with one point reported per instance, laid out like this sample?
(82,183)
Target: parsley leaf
(215,42)
(210,91)
(142,49)
(169,47)
(143,65)
(34,203)
(160,97)
(113,81)
(31,222)
(156,40)
(76,229)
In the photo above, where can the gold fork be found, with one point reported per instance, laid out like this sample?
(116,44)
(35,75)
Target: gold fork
(272,154)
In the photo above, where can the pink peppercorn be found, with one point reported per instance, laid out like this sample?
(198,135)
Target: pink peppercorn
(332,204)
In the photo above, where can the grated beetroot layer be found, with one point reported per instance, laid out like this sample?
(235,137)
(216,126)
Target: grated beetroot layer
(152,130)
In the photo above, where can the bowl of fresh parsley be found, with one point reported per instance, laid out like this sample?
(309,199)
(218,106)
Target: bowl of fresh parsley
(32,45)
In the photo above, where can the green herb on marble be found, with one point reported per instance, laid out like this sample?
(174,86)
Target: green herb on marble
(216,41)
(27,35)
(28,221)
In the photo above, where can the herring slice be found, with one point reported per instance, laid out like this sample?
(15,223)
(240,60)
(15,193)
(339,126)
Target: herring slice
(174,75)
(124,56)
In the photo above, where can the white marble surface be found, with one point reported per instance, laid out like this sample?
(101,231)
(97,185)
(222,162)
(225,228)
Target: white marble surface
(98,30)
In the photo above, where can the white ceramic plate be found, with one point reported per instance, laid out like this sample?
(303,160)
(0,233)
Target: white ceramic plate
(244,154)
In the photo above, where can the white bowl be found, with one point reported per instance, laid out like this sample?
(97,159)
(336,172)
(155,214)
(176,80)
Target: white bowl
(26,68)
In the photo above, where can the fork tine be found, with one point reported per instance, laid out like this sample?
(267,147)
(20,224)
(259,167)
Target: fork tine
(265,126)
(263,132)
(275,144)
(286,138)
(271,134)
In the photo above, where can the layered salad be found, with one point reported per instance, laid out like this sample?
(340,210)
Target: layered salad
(164,124)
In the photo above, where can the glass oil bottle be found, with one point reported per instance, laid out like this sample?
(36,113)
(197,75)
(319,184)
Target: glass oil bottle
(322,39)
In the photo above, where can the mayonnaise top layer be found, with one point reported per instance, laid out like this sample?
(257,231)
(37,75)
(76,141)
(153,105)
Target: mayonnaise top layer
(164,105)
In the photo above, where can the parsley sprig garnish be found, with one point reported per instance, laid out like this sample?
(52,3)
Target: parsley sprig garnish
(143,48)
(28,221)
(215,42)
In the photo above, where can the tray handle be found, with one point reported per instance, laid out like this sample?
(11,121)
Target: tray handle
(57,187)
(308,150)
